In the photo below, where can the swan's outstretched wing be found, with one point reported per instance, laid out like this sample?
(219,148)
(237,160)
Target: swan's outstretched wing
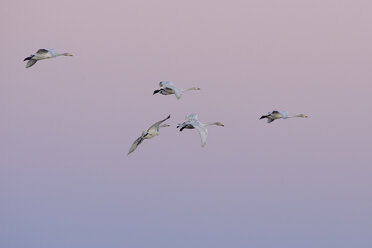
(191,117)
(189,120)
(171,86)
(31,62)
(42,51)
(157,124)
(284,114)
(177,92)
(53,53)
(281,113)
(135,144)
(203,132)
(165,84)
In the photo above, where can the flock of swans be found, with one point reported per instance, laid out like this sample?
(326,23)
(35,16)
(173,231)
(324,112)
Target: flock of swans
(166,88)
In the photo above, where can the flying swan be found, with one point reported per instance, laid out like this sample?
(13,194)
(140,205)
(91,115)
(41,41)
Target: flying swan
(43,54)
(192,122)
(168,88)
(278,114)
(150,133)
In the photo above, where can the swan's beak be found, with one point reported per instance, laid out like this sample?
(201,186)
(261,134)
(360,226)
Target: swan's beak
(222,125)
(197,88)
(166,125)
(69,54)
(306,116)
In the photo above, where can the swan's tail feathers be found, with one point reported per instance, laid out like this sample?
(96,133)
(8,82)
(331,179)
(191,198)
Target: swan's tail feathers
(30,63)
(29,57)
(181,126)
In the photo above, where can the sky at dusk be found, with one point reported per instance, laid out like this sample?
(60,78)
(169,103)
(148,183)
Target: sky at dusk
(67,124)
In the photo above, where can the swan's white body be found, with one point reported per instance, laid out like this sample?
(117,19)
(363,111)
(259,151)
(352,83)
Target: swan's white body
(43,54)
(150,133)
(192,122)
(279,114)
(168,88)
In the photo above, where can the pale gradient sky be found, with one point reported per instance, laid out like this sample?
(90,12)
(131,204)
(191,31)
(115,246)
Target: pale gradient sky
(67,124)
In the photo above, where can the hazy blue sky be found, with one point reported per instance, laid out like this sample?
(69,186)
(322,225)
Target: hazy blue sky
(67,124)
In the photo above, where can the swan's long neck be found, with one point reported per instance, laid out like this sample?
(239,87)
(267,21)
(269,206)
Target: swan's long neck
(298,115)
(62,54)
(192,88)
(211,124)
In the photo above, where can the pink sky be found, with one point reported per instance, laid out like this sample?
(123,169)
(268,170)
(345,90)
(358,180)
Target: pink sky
(67,124)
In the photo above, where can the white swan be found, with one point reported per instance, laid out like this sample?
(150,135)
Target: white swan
(168,88)
(150,133)
(43,54)
(192,122)
(278,114)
